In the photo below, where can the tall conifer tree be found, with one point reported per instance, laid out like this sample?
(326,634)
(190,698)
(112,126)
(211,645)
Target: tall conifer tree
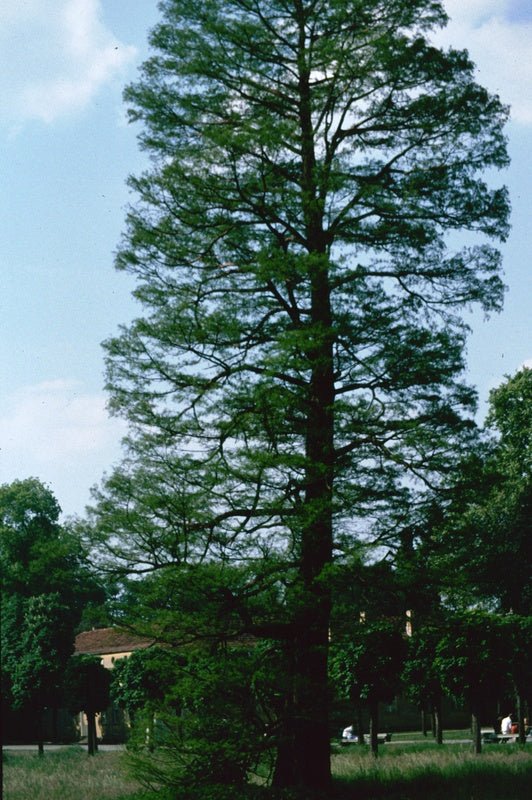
(296,370)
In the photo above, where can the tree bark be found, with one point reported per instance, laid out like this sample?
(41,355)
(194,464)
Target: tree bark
(423,721)
(91,733)
(283,774)
(437,716)
(40,740)
(475,729)
(521,720)
(311,642)
(374,728)
(360,724)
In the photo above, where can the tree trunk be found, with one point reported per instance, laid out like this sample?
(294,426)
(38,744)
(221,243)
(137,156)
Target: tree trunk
(283,773)
(521,719)
(437,716)
(91,733)
(475,729)
(55,735)
(312,768)
(39,731)
(310,719)
(423,721)
(151,731)
(360,725)
(374,727)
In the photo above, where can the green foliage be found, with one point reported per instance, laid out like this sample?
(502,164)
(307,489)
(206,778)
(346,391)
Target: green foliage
(210,744)
(269,246)
(37,554)
(296,374)
(486,537)
(146,678)
(87,684)
(36,659)
(368,665)
(473,659)
(421,677)
(45,583)
(510,415)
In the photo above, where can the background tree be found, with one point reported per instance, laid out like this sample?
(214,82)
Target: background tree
(367,668)
(86,688)
(421,678)
(516,632)
(295,375)
(145,682)
(474,662)
(486,535)
(46,581)
(38,555)
(36,660)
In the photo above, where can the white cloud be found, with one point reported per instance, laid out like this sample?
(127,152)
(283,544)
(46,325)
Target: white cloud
(62,434)
(500,43)
(55,55)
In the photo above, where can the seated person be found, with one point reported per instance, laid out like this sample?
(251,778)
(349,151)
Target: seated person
(348,733)
(506,725)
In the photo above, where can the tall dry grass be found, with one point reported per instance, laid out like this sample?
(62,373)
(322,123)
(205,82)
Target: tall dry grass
(66,775)
(402,772)
(432,773)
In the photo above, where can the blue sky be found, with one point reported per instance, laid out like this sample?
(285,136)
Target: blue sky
(66,153)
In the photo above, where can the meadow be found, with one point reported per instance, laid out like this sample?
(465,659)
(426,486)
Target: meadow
(420,771)
(66,775)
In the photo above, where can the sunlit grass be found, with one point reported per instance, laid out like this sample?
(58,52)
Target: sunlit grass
(66,775)
(408,773)
(421,771)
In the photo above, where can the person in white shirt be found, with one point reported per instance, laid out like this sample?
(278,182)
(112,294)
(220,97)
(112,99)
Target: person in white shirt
(506,725)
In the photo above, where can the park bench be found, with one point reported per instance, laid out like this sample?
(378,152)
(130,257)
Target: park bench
(381,739)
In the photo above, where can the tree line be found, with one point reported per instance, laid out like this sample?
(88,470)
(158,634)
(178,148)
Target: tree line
(206,682)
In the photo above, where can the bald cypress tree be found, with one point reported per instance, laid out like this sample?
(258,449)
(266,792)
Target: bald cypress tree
(294,379)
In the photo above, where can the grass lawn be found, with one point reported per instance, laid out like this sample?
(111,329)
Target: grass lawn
(419,771)
(66,775)
(428,772)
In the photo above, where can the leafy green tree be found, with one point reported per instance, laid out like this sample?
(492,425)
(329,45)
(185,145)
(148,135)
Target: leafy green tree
(486,536)
(145,682)
(38,555)
(296,373)
(208,726)
(46,581)
(516,632)
(421,677)
(473,663)
(87,684)
(36,662)
(508,510)
(367,667)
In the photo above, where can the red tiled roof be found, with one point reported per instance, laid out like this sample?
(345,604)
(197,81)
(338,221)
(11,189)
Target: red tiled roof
(109,640)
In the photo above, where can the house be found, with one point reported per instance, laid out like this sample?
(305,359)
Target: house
(111,644)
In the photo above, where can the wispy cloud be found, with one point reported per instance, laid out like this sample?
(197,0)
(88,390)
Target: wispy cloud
(59,432)
(55,56)
(498,35)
